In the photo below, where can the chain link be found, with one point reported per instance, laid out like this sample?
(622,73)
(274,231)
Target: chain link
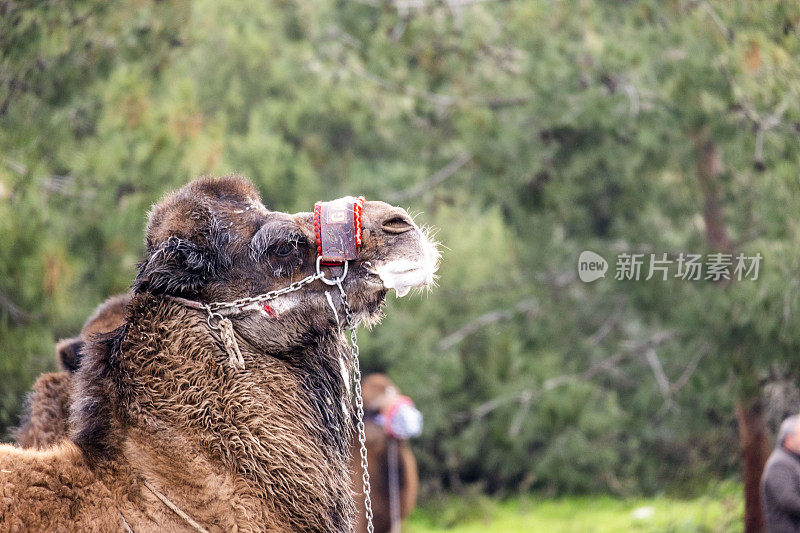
(271,295)
(362,437)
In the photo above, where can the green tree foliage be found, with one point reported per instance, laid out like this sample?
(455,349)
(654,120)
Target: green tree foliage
(58,238)
(526,131)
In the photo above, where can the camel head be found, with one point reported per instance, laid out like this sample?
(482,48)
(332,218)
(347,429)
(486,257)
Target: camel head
(215,241)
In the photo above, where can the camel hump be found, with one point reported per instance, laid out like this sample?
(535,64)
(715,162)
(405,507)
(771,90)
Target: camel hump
(28,476)
(45,423)
(108,316)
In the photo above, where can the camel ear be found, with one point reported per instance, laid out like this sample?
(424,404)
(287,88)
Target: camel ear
(177,267)
(69,353)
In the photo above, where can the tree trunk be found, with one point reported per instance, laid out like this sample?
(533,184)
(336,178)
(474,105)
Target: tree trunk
(754,440)
(753,437)
(709,169)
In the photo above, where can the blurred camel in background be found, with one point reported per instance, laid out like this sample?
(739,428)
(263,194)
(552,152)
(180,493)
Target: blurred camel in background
(45,420)
(390,419)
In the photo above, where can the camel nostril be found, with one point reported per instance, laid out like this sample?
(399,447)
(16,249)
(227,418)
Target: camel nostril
(397,224)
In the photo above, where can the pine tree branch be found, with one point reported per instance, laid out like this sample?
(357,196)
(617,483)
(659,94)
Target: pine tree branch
(435,180)
(606,327)
(17,314)
(690,368)
(486,319)
(525,396)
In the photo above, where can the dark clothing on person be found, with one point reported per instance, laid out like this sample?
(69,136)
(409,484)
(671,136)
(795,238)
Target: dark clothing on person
(780,491)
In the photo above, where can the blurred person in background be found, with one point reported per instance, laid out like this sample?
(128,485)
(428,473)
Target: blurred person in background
(780,484)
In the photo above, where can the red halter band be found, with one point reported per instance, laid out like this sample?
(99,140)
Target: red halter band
(337,227)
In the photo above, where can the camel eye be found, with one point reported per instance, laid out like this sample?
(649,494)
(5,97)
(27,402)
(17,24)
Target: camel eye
(284,249)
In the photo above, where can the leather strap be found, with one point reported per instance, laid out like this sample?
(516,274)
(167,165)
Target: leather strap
(337,225)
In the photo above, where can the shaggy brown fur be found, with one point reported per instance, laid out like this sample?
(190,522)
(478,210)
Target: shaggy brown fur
(47,407)
(50,401)
(44,421)
(155,401)
(378,391)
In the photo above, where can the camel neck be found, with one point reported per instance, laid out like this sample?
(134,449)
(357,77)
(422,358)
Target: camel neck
(280,427)
(168,480)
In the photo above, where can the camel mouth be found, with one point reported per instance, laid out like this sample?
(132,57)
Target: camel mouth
(402,277)
(405,274)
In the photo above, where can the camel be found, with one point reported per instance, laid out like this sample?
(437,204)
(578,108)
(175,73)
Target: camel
(45,421)
(380,395)
(182,421)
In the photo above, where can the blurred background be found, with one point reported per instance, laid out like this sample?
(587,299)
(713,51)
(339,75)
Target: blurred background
(526,131)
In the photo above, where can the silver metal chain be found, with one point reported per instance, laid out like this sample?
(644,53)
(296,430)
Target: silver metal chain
(351,324)
(215,307)
(218,313)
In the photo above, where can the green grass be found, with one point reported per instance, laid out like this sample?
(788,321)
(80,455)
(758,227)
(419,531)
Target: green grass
(720,510)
